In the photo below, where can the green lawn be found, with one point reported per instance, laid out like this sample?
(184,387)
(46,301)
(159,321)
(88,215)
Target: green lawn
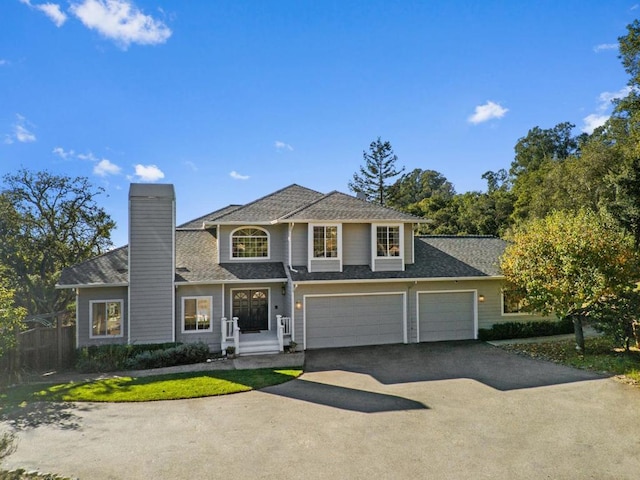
(144,389)
(602,355)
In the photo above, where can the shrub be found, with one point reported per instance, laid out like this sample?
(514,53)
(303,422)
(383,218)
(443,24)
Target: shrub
(509,330)
(108,358)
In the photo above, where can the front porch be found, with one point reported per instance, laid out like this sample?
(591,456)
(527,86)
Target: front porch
(256,343)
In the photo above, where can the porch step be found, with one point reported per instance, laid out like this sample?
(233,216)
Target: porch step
(258,344)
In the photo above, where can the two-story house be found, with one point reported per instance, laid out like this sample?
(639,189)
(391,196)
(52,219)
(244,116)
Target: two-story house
(320,270)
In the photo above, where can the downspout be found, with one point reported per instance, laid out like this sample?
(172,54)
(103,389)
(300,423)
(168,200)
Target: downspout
(289,239)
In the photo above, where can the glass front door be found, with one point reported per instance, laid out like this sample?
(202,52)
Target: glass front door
(252,309)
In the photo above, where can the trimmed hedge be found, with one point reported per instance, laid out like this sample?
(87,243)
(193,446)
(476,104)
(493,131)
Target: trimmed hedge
(109,358)
(510,330)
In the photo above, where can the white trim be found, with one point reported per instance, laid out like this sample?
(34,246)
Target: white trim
(475,308)
(77,318)
(235,282)
(110,300)
(268,289)
(91,285)
(396,280)
(374,244)
(173,271)
(310,257)
(353,294)
(218,244)
(232,258)
(514,314)
(196,298)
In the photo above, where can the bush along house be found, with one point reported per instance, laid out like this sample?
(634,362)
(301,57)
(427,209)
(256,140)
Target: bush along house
(318,270)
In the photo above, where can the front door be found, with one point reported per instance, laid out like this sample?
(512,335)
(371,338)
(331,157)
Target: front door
(252,309)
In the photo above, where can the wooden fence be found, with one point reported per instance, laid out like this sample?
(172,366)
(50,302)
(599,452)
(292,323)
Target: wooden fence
(42,348)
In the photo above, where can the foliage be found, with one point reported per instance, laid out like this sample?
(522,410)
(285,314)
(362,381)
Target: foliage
(151,388)
(412,188)
(7,444)
(22,474)
(618,316)
(379,166)
(11,320)
(109,358)
(601,356)
(48,222)
(509,330)
(565,263)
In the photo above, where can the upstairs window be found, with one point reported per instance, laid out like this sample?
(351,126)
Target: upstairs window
(250,242)
(388,241)
(325,242)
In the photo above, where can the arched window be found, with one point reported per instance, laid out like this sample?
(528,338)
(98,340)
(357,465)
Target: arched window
(250,242)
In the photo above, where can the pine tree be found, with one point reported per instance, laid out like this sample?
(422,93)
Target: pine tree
(379,166)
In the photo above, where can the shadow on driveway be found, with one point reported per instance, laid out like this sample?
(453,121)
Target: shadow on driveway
(423,362)
(343,397)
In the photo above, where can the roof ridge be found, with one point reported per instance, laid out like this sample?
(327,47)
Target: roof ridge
(100,255)
(456,236)
(307,205)
(211,213)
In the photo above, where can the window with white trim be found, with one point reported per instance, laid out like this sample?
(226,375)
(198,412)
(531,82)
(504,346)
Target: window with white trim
(513,303)
(325,241)
(105,317)
(196,314)
(250,242)
(388,241)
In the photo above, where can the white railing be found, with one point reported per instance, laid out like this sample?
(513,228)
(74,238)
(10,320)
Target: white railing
(230,334)
(284,328)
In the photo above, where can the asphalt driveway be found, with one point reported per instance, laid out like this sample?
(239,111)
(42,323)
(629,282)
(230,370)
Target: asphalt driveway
(447,410)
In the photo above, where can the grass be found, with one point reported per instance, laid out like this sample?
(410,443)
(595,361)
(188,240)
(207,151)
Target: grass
(602,356)
(145,389)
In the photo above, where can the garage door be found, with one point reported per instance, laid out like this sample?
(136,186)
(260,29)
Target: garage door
(353,320)
(446,316)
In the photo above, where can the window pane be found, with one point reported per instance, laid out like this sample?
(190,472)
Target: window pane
(249,243)
(98,319)
(332,242)
(204,309)
(190,314)
(318,242)
(382,241)
(114,318)
(394,242)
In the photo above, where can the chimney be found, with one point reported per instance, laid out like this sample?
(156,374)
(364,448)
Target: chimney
(151,263)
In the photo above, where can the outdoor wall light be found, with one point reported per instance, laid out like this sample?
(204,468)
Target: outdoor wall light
(298,305)
(481,298)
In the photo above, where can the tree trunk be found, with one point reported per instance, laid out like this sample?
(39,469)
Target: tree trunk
(577,329)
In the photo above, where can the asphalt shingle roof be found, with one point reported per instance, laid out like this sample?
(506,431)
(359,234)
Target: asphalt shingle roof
(209,217)
(435,257)
(110,268)
(273,206)
(337,206)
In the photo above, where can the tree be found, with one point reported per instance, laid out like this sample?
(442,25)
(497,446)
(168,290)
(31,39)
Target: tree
(567,262)
(379,166)
(11,320)
(618,316)
(48,222)
(415,186)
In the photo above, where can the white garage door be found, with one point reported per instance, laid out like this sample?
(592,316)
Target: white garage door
(353,320)
(446,316)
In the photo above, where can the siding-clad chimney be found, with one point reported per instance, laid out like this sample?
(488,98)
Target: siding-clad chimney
(151,263)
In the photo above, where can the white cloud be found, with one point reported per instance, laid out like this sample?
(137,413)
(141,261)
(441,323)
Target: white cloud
(121,21)
(595,120)
(21,132)
(51,10)
(148,173)
(62,153)
(88,156)
(104,167)
(283,146)
(237,176)
(191,165)
(605,46)
(486,112)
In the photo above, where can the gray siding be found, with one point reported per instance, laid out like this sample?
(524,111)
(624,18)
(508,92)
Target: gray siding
(299,244)
(325,265)
(408,244)
(83,325)
(356,244)
(388,264)
(213,338)
(151,265)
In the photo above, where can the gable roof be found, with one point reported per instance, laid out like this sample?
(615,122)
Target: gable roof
(271,207)
(110,268)
(209,217)
(337,206)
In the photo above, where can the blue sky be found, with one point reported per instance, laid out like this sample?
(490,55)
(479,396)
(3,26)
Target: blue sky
(231,100)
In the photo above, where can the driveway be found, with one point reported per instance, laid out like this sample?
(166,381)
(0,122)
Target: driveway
(443,411)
